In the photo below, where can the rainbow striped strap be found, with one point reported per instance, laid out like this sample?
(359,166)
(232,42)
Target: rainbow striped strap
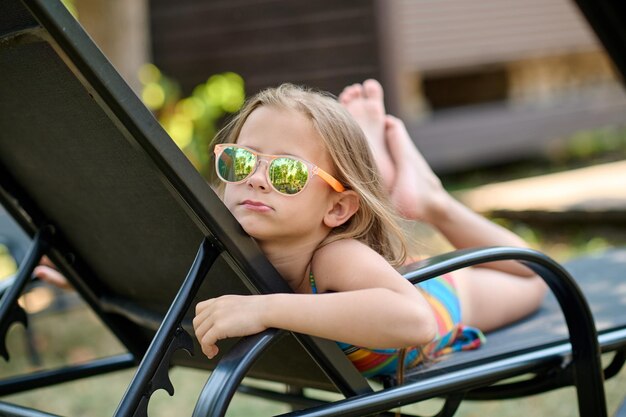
(452,335)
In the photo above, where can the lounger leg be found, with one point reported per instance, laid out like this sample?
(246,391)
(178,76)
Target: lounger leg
(40,379)
(11,410)
(10,311)
(295,391)
(152,372)
(294,400)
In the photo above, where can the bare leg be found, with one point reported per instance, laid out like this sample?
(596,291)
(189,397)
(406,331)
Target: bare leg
(365,103)
(417,192)
(491,298)
(491,295)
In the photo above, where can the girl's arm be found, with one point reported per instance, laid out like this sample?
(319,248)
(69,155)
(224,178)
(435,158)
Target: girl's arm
(365,303)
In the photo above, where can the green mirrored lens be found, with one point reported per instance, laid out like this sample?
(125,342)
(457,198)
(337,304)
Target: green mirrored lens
(288,176)
(235,164)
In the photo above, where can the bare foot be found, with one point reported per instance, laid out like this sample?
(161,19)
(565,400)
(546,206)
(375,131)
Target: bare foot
(417,192)
(365,103)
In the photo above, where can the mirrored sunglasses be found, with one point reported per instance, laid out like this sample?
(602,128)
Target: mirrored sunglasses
(286,174)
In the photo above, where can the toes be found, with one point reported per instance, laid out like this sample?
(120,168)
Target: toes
(370,89)
(357,91)
(351,93)
(344,96)
(373,89)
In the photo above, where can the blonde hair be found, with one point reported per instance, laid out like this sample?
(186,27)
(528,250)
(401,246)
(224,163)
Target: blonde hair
(375,223)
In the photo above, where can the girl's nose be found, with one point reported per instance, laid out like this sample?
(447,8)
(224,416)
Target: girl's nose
(258,179)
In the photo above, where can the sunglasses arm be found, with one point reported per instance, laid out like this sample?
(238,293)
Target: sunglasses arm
(329,179)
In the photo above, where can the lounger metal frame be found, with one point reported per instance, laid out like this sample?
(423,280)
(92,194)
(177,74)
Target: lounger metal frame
(585,372)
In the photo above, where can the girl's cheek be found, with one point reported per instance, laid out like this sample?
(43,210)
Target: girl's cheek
(228,196)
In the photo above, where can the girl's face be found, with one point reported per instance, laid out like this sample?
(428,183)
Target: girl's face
(264,213)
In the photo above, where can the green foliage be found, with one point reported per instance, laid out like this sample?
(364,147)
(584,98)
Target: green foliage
(7,263)
(580,149)
(71,7)
(588,144)
(192,121)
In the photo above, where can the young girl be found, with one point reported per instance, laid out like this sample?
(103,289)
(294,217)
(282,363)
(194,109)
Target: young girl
(296,170)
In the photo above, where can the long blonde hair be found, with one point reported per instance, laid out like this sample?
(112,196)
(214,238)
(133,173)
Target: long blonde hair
(375,223)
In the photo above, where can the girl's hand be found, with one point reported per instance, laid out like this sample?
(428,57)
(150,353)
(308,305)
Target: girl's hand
(227,316)
(47,272)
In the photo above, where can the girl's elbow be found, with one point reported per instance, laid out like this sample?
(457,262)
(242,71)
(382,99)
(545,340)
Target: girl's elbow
(426,329)
(430,329)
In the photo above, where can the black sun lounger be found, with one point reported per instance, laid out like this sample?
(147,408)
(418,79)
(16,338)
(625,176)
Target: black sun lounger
(92,178)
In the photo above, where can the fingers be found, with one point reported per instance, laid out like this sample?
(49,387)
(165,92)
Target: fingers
(205,328)
(210,351)
(46,272)
(208,336)
(227,316)
(46,261)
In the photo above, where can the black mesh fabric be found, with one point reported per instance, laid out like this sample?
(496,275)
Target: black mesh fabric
(82,169)
(103,195)
(14,17)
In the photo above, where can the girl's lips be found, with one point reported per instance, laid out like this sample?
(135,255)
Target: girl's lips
(255,206)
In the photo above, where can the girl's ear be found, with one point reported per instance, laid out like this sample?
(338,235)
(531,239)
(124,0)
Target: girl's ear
(344,205)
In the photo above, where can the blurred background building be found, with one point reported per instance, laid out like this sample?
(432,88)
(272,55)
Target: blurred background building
(478,82)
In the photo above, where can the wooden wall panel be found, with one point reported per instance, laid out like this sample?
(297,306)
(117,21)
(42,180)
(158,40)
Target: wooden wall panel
(438,35)
(325,44)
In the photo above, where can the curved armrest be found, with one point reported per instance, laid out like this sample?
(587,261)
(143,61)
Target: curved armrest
(224,380)
(452,261)
(580,323)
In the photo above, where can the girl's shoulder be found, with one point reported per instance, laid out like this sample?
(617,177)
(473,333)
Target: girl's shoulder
(344,244)
(340,265)
(342,250)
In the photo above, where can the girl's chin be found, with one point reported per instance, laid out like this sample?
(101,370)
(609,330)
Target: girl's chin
(252,228)
(260,234)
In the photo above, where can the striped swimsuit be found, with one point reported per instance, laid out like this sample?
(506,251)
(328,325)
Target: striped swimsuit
(452,336)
